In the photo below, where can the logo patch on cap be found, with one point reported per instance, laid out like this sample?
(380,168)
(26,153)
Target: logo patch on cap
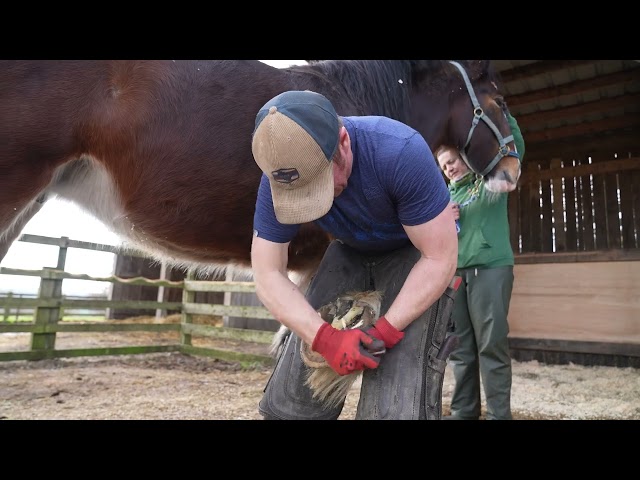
(285,175)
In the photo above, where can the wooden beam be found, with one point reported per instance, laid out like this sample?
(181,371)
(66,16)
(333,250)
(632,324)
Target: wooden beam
(573,88)
(595,348)
(539,68)
(631,255)
(617,142)
(579,110)
(611,166)
(585,128)
(574,153)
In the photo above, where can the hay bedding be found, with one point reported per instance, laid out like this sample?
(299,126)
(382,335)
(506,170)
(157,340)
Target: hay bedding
(171,386)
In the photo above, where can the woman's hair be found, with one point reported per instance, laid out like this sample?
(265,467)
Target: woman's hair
(443,148)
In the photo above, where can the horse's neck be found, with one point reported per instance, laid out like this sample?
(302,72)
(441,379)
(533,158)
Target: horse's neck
(359,87)
(369,81)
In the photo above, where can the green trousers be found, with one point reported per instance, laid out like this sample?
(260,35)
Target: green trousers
(480,317)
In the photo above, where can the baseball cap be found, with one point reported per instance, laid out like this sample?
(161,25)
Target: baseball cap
(295,137)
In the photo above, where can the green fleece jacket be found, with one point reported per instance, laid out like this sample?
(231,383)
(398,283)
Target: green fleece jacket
(483,241)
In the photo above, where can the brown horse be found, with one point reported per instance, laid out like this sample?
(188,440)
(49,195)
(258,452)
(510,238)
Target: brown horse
(160,151)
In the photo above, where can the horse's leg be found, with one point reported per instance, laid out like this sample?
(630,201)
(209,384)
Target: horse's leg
(9,236)
(22,193)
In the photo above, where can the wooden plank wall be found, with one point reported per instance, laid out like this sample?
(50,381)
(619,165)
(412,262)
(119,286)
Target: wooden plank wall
(575,230)
(588,302)
(580,205)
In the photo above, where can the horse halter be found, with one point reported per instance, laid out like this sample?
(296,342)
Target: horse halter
(478,114)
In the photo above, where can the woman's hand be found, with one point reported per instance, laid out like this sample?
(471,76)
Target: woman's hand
(456,209)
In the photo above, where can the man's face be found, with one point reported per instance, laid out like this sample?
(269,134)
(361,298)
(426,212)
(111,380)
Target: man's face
(451,164)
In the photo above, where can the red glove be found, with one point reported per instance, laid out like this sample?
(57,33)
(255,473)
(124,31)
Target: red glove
(386,332)
(346,351)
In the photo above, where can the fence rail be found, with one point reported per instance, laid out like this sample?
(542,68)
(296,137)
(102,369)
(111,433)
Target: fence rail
(49,307)
(11,309)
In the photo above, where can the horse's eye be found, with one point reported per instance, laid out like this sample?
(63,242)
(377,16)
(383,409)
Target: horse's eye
(503,106)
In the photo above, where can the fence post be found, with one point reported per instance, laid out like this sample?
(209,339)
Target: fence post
(228,277)
(50,288)
(7,310)
(62,252)
(187,297)
(62,260)
(161,312)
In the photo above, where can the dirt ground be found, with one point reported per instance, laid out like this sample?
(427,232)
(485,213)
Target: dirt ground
(173,386)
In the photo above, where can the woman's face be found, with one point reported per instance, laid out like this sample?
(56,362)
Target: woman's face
(451,164)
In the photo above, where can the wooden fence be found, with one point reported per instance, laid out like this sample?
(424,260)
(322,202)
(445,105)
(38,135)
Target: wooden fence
(17,313)
(558,314)
(49,306)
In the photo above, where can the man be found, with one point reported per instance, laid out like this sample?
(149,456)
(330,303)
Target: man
(373,184)
(485,263)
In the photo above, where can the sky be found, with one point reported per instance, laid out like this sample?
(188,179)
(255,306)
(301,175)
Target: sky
(59,218)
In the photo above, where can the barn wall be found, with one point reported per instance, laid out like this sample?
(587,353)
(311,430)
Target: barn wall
(577,205)
(598,301)
(575,229)
(127,266)
(246,299)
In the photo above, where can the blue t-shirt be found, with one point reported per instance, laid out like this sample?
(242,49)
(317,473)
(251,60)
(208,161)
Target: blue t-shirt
(395,180)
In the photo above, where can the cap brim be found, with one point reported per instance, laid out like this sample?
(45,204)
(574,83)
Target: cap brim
(305,203)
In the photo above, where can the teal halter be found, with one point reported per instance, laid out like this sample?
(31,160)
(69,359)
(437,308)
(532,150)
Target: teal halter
(478,114)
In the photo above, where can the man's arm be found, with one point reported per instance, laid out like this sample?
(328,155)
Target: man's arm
(278,293)
(437,242)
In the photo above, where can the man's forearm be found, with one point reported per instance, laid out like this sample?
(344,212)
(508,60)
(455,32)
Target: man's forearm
(424,285)
(287,304)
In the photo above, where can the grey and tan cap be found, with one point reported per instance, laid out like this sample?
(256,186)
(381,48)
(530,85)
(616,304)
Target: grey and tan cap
(295,137)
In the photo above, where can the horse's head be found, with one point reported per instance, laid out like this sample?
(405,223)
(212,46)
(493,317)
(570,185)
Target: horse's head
(455,104)
(481,129)
(459,105)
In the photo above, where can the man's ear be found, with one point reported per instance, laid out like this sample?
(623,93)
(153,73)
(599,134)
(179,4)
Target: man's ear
(344,140)
(344,144)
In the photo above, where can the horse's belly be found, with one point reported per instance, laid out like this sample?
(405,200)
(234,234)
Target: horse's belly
(88,184)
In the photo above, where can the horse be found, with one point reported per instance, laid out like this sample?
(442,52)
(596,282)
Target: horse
(160,150)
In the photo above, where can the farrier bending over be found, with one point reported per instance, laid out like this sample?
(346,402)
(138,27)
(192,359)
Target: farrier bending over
(373,183)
